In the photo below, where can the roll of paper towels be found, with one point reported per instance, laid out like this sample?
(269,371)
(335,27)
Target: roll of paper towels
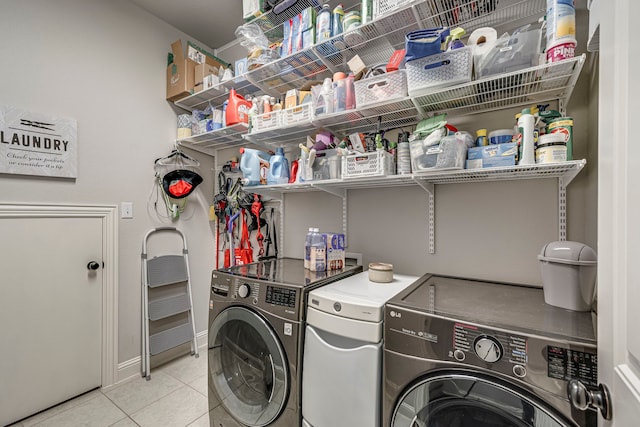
(482,40)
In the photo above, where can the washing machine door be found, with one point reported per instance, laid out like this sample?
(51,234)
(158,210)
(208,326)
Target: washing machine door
(248,366)
(463,400)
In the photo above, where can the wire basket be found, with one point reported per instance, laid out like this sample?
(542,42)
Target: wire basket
(376,163)
(385,87)
(440,70)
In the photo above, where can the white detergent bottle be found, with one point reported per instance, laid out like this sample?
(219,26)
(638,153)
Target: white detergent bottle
(278,168)
(307,247)
(526,124)
(318,255)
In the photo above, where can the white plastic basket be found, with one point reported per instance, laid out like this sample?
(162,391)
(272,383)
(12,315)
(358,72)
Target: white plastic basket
(376,163)
(266,121)
(440,70)
(297,114)
(385,87)
(380,7)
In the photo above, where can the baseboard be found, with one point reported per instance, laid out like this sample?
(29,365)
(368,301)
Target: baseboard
(133,367)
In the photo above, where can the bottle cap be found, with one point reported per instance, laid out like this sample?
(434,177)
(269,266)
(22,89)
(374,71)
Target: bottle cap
(481,132)
(526,111)
(339,76)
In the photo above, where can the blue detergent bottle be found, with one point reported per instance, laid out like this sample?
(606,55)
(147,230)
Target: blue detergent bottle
(278,168)
(254,165)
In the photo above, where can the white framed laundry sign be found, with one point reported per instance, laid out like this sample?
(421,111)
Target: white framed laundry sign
(37,143)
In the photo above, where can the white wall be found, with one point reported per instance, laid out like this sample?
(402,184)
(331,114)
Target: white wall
(103,63)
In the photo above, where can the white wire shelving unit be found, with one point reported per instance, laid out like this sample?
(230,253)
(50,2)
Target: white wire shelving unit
(374,43)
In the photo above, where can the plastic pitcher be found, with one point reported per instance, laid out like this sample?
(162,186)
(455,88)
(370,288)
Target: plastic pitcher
(254,165)
(278,168)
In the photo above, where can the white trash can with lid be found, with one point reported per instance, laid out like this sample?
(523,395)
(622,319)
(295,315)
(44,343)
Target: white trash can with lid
(568,274)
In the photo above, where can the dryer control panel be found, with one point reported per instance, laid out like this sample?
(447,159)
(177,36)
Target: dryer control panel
(531,359)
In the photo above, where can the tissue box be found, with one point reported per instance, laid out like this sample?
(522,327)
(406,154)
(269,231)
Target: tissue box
(491,162)
(335,250)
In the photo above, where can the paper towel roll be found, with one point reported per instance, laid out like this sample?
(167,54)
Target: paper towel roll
(482,40)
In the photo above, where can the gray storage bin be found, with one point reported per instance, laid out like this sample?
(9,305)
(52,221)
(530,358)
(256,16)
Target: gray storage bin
(568,275)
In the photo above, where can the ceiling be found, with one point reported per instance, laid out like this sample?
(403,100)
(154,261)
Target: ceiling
(212,22)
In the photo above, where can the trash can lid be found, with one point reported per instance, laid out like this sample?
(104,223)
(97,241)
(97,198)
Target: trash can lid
(568,252)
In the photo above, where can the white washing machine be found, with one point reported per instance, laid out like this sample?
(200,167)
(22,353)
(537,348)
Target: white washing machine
(342,359)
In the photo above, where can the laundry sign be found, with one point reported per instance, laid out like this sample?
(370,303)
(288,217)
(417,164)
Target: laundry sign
(37,144)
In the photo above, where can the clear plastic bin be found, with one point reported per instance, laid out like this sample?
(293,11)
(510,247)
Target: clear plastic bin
(385,87)
(450,153)
(327,165)
(444,69)
(520,50)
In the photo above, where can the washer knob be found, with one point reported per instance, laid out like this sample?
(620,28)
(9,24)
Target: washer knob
(519,371)
(459,355)
(244,290)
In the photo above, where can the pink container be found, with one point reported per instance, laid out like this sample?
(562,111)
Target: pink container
(561,49)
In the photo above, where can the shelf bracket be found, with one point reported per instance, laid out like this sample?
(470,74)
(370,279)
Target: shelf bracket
(431,230)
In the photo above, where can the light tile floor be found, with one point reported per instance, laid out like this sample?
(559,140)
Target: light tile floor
(175,396)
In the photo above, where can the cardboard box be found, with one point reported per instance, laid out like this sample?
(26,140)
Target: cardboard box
(335,250)
(291,98)
(201,71)
(252,9)
(180,74)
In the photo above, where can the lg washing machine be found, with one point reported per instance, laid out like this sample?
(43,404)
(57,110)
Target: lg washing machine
(468,353)
(256,331)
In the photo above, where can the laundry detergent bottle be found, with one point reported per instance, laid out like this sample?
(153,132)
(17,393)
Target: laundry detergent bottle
(237,109)
(254,165)
(278,168)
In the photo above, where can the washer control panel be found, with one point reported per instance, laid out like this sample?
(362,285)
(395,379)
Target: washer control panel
(489,346)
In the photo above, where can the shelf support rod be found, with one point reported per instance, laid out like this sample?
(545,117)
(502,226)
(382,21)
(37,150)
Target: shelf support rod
(431,228)
(562,210)
(342,193)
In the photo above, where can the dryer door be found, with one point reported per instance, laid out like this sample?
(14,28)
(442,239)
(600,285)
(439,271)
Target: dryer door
(248,367)
(470,401)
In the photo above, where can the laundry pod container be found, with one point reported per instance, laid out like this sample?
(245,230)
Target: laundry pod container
(568,274)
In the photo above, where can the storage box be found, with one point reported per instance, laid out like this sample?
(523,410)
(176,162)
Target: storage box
(491,162)
(376,163)
(180,74)
(301,113)
(335,250)
(441,70)
(450,153)
(201,71)
(568,275)
(327,165)
(521,50)
(385,87)
(496,150)
(252,9)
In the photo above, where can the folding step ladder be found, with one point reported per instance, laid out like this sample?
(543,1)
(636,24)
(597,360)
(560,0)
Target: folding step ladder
(166,292)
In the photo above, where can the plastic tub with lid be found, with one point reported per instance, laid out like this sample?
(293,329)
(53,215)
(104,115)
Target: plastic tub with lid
(568,274)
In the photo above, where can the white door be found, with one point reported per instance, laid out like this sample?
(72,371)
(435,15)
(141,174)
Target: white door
(50,312)
(619,210)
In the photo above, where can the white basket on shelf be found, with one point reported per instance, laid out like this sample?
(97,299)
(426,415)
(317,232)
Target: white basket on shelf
(385,87)
(440,70)
(266,121)
(376,163)
(297,114)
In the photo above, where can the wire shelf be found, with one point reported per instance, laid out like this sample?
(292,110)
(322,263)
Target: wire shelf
(229,136)
(566,170)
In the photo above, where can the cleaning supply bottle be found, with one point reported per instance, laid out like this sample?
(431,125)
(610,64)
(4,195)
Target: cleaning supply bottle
(254,165)
(318,253)
(454,39)
(307,247)
(526,124)
(237,109)
(324,103)
(278,168)
(339,91)
(481,138)
(323,24)
(224,112)
(338,17)
(351,92)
